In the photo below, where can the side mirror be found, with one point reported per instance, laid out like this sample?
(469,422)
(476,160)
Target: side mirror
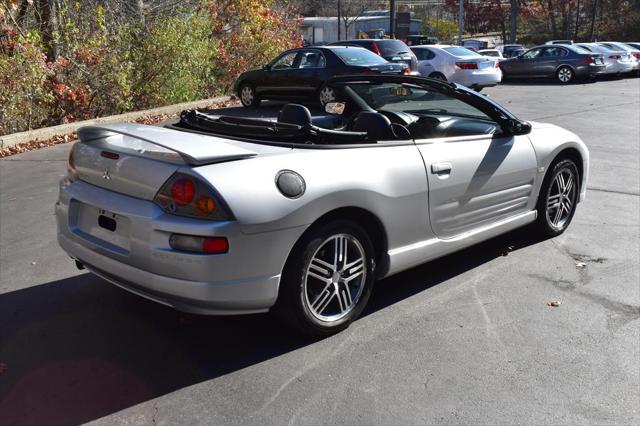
(516,127)
(336,108)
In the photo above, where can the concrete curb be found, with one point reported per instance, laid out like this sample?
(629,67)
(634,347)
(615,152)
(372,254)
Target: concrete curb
(45,133)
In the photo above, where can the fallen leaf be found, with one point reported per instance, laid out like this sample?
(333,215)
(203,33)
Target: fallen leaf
(553,303)
(580,264)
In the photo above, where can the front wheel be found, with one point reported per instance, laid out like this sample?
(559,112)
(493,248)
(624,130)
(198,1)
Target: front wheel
(558,198)
(565,75)
(248,96)
(328,279)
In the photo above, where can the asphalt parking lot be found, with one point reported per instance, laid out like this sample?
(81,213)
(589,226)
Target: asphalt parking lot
(466,339)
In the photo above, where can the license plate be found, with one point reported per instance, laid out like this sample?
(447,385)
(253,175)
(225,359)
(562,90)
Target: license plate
(599,61)
(102,227)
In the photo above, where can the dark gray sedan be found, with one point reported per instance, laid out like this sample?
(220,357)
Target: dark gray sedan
(563,62)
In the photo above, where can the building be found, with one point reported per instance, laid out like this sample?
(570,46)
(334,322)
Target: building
(324,29)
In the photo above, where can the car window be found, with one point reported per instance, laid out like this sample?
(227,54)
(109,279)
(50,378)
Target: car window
(533,53)
(359,57)
(391,47)
(588,48)
(423,54)
(312,59)
(285,61)
(415,100)
(490,53)
(460,51)
(555,52)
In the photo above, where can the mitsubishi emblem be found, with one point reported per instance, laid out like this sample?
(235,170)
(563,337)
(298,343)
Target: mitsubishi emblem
(105,175)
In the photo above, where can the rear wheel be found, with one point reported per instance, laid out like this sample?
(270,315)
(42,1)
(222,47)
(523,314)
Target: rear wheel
(248,96)
(325,95)
(558,198)
(565,74)
(328,279)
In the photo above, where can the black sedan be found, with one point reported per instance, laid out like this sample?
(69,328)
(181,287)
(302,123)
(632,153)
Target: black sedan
(563,62)
(302,73)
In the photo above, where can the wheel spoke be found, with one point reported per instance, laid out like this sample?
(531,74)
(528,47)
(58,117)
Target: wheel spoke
(323,300)
(553,201)
(341,303)
(568,187)
(561,184)
(558,215)
(353,270)
(321,267)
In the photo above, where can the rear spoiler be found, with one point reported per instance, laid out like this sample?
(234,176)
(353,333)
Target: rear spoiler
(194,149)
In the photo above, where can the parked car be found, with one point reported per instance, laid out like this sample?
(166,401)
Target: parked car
(457,64)
(623,47)
(392,50)
(616,62)
(563,62)
(510,50)
(633,44)
(226,215)
(559,42)
(415,40)
(492,53)
(302,73)
(475,44)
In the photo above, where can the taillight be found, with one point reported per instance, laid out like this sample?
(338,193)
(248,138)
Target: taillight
(407,71)
(588,59)
(198,244)
(186,195)
(467,65)
(375,49)
(182,191)
(636,55)
(497,64)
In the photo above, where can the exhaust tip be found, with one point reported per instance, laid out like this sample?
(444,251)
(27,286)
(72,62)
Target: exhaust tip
(79,265)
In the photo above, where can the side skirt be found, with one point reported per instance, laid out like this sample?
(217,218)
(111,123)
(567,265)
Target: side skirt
(405,257)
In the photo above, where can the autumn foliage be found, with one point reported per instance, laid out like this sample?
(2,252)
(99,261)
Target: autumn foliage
(87,61)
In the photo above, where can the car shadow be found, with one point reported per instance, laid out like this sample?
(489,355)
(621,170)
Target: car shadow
(543,82)
(78,349)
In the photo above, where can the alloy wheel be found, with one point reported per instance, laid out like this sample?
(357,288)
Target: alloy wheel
(327,94)
(565,75)
(561,198)
(335,278)
(247,95)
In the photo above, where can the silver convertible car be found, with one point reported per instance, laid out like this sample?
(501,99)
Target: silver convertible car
(215,214)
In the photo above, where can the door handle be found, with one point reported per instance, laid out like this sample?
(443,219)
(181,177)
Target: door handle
(441,168)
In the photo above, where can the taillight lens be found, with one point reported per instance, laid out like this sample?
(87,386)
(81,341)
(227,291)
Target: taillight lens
(71,168)
(407,72)
(588,59)
(375,49)
(467,65)
(198,244)
(636,55)
(185,195)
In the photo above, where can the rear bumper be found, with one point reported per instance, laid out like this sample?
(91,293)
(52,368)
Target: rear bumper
(618,67)
(479,78)
(244,280)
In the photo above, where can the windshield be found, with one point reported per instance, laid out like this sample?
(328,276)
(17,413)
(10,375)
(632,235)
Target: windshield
(414,99)
(460,51)
(359,57)
(490,53)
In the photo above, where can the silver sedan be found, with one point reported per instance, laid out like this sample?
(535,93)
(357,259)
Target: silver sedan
(223,215)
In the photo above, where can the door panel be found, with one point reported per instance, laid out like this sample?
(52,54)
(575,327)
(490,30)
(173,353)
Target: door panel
(476,181)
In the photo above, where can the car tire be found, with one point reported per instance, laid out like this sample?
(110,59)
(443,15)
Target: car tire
(318,295)
(248,96)
(558,198)
(326,94)
(565,74)
(438,76)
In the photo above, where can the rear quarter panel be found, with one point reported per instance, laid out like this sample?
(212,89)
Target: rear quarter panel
(388,181)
